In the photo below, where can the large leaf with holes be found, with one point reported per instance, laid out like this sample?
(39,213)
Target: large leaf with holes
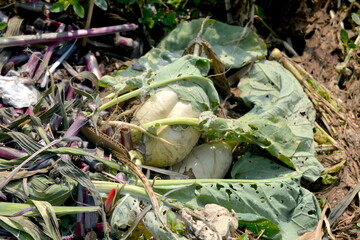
(279,200)
(272,91)
(124,213)
(254,166)
(234,45)
(270,133)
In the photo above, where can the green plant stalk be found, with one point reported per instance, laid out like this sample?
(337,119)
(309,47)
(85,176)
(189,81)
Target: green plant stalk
(229,181)
(8,209)
(172,121)
(137,92)
(137,191)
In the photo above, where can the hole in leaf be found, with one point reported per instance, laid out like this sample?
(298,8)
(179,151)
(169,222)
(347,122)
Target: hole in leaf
(219,187)
(253,127)
(312,212)
(229,193)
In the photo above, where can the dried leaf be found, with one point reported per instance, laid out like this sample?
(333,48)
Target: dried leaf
(48,214)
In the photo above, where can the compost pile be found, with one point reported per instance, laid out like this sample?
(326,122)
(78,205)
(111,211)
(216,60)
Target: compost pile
(212,133)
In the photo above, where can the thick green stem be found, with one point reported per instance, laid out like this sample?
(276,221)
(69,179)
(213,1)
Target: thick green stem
(160,183)
(120,99)
(105,187)
(172,121)
(137,92)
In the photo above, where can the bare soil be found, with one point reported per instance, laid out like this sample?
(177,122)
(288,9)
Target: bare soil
(313,28)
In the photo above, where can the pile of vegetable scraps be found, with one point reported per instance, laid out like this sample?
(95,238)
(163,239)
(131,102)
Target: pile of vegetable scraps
(200,138)
(251,165)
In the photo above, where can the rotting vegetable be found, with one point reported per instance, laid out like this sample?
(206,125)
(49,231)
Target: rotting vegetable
(166,104)
(209,160)
(177,92)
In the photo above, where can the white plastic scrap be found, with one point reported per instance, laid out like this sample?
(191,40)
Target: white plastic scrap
(17,91)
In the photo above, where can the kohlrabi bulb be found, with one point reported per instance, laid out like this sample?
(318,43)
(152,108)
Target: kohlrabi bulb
(166,104)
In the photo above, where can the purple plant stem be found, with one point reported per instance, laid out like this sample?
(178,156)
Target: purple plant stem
(92,64)
(126,139)
(44,63)
(11,153)
(70,93)
(80,226)
(74,129)
(90,217)
(20,58)
(32,64)
(63,36)
(116,178)
(47,56)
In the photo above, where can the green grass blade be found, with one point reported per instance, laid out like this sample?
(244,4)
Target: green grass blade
(48,214)
(22,228)
(8,209)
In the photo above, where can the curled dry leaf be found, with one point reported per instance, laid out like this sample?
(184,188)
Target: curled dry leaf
(218,222)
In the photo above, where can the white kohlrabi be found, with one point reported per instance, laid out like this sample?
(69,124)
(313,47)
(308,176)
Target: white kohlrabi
(166,104)
(209,160)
